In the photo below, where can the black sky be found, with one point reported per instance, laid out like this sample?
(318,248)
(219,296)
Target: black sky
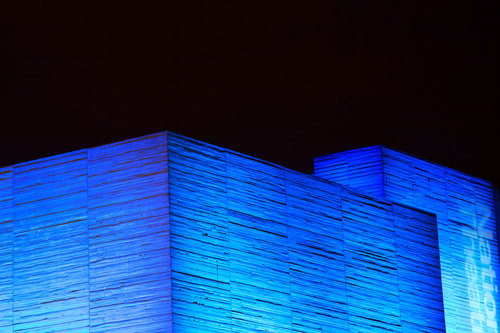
(280,80)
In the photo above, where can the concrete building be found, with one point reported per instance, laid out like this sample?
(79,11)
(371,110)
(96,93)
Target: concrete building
(167,234)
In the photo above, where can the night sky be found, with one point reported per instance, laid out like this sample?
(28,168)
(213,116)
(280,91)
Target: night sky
(280,80)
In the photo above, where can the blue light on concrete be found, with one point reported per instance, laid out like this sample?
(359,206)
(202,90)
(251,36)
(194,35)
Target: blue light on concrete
(464,206)
(260,248)
(168,234)
(84,241)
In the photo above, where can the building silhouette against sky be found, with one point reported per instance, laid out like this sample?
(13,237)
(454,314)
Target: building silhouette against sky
(167,234)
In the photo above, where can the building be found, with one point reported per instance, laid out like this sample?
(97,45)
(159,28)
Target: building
(167,234)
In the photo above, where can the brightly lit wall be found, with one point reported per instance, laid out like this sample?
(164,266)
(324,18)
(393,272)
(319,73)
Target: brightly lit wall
(164,233)
(465,211)
(260,248)
(84,241)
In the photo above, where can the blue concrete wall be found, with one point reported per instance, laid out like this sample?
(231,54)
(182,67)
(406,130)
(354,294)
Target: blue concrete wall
(359,169)
(50,248)
(260,248)
(129,236)
(167,234)
(84,241)
(6,251)
(465,211)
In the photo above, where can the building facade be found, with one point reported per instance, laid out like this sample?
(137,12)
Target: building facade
(167,234)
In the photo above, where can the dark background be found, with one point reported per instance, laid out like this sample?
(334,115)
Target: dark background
(280,80)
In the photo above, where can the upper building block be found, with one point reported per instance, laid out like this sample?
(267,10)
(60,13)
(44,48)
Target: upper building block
(465,209)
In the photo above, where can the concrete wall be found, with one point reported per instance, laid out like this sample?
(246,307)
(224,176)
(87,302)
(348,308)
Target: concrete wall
(164,233)
(260,248)
(84,241)
(465,211)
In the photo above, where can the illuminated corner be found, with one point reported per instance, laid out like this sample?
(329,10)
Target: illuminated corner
(84,241)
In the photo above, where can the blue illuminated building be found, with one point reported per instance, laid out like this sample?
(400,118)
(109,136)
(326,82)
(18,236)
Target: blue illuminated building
(167,234)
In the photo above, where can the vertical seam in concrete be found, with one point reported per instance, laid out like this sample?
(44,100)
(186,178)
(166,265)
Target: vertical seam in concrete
(13,250)
(88,233)
(228,247)
(382,162)
(394,217)
(341,193)
(169,239)
(12,243)
(450,312)
(288,248)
